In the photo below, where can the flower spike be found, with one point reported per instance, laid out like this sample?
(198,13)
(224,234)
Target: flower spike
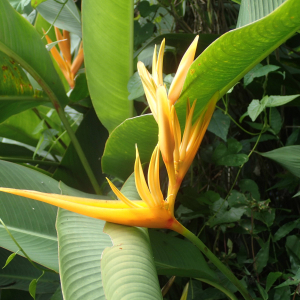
(178,152)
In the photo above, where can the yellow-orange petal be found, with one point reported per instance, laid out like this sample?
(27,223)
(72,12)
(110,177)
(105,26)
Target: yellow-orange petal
(61,63)
(185,63)
(149,88)
(154,64)
(140,181)
(77,61)
(67,42)
(63,46)
(157,217)
(153,178)
(159,66)
(177,136)
(121,196)
(198,134)
(166,138)
(187,130)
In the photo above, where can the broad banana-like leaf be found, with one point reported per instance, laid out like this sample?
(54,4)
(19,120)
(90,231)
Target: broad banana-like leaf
(218,68)
(108,49)
(81,243)
(32,223)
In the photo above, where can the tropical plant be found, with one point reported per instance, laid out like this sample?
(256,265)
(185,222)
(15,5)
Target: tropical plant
(57,136)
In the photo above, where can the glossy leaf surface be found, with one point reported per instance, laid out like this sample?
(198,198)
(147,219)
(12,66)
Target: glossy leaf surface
(109,68)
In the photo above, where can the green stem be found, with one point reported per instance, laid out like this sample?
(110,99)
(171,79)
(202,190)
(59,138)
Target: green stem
(219,287)
(79,150)
(227,272)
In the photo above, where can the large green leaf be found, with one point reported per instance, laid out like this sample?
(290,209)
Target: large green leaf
(128,268)
(32,223)
(252,10)
(119,153)
(71,170)
(67,18)
(108,50)
(17,94)
(81,243)
(32,56)
(219,67)
(288,157)
(19,273)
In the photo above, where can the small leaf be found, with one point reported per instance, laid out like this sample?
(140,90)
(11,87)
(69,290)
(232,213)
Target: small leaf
(285,229)
(233,215)
(9,259)
(275,120)
(248,185)
(32,288)
(280,100)
(228,156)
(272,277)
(262,257)
(258,71)
(237,199)
(219,124)
(256,107)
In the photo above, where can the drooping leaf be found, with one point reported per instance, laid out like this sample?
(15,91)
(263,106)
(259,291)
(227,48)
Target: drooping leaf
(81,243)
(252,10)
(288,157)
(128,267)
(14,43)
(109,68)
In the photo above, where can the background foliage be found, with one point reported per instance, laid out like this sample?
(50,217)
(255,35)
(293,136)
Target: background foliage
(240,196)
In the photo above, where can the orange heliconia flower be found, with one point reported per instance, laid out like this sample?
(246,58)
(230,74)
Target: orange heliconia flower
(178,152)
